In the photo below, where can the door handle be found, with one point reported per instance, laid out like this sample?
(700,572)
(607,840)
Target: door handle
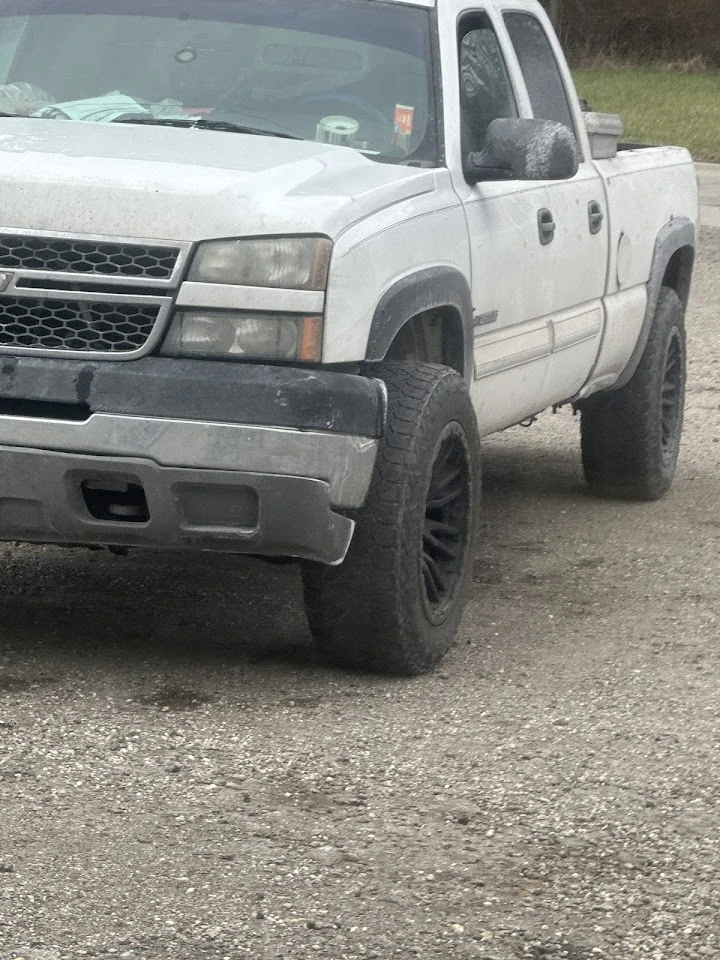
(546,226)
(596,217)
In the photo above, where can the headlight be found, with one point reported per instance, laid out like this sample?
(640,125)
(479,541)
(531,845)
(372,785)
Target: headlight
(244,336)
(292,263)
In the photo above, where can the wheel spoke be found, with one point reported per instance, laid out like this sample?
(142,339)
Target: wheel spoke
(440,529)
(433,577)
(446,452)
(671,402)
(444,478)
(431,589)
(433,547)
(441,500)
(444,539)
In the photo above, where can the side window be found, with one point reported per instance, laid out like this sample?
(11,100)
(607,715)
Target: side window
(540,68)
(11,33)
(486,92)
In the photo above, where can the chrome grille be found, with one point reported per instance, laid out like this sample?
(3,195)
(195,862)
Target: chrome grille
(80,296)
(87,257)
(75,325)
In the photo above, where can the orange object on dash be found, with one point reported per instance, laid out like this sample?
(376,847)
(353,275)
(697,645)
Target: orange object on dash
(404,120)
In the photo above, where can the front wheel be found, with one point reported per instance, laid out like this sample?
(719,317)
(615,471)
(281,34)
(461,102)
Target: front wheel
(631,437)
(395,605)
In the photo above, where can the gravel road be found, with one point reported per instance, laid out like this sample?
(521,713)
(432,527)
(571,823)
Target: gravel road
(181,780)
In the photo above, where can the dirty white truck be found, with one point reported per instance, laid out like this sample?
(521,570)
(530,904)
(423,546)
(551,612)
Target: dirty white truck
(271,269)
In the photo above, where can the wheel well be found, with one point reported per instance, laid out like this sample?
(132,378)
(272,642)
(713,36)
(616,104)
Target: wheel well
(678,275)
(435,336)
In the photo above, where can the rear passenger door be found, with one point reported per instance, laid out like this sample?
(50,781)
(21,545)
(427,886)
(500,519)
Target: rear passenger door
(577,270)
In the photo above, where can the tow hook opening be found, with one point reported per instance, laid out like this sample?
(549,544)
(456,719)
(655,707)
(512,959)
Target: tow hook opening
(119,501)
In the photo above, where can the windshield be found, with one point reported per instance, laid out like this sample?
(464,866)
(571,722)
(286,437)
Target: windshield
(355,73)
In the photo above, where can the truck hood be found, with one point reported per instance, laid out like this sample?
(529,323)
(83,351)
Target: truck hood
(187,185)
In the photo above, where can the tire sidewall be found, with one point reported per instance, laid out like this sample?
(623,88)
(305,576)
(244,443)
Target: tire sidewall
(669,323)
(669,459)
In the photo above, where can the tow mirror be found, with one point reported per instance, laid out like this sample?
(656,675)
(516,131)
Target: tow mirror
(525,150)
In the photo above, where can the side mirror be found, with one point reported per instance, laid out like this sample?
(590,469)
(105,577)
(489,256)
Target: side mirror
(525,150)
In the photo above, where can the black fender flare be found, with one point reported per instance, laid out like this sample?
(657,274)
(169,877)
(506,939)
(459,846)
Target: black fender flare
(430,289)
(674,236)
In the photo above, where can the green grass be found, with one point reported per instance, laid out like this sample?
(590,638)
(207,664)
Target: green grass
(659,106)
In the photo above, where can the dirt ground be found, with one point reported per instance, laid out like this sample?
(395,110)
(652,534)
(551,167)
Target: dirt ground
(181,780)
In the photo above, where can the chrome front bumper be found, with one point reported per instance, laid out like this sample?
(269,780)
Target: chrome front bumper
(195,485)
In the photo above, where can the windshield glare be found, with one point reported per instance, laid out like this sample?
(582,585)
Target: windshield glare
(356,73)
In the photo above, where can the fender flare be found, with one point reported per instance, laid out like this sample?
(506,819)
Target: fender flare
(674,236)
(429,289)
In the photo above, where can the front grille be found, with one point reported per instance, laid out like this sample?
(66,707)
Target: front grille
(82,296)
(75,325)
(87,257)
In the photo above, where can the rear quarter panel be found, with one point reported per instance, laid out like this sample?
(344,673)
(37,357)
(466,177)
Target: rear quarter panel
(646,189)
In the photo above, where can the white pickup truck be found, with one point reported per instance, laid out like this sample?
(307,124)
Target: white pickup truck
(271,269)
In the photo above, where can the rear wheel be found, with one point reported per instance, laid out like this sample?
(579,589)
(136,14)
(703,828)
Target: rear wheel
(396,603)
(631,437)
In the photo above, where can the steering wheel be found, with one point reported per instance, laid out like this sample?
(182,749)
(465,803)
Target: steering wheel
(369,109)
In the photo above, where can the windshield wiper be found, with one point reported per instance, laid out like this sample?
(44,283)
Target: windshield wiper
(204,123)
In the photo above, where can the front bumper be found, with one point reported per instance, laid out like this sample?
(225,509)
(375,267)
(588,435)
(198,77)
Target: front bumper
(76,473)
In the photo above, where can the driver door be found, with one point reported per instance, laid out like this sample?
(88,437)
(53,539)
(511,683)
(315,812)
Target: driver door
(512,297)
